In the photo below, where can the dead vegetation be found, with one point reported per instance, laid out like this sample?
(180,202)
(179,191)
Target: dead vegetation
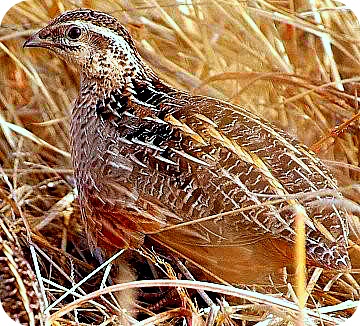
(296,63)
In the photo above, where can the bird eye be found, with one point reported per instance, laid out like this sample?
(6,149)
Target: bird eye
(74,33)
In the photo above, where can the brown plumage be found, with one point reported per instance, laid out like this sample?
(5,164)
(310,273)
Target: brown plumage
(205,178)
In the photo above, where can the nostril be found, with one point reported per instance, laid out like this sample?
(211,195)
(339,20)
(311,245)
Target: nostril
(44,34)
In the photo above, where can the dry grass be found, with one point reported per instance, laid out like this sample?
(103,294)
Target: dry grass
(296,63)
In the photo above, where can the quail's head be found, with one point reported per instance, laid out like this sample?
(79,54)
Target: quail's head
(95,42)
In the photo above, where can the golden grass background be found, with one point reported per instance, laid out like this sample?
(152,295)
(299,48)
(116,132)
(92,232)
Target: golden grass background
(295,63)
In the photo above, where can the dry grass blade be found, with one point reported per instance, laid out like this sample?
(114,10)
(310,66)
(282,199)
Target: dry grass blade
(31,136)
(204,286)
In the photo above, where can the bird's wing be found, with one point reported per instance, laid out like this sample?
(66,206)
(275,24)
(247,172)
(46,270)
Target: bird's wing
(216,175)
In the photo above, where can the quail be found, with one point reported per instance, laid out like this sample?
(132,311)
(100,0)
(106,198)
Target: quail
(206,179)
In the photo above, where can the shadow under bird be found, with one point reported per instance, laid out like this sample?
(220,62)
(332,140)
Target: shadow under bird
(204,178)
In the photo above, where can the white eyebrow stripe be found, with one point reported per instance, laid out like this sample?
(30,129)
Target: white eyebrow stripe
(107,32)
